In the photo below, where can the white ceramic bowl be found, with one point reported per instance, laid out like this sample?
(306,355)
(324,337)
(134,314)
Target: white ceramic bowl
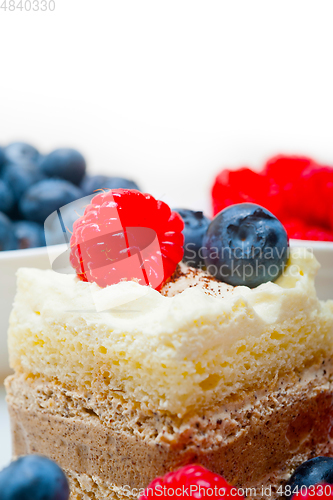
(40,258)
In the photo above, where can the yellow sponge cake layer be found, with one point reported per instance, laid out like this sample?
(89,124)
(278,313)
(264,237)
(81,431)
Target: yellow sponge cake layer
(169,352)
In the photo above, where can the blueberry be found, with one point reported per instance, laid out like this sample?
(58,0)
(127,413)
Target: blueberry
(314,471)
(196,225)
(40,200)
(245,245)
(65,163)
(92,183)
(20,176)
(8,239)
(29,234)
(2,158)
(20,152)
(33,478)
(7,199)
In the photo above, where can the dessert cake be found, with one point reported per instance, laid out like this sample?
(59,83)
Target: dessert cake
(234,378)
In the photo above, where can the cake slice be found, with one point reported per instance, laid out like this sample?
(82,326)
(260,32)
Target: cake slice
(236,379)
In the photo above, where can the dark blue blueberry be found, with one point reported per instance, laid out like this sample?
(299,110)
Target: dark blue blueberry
(245,245)
(314,471)
(8,239)
(47,196)
(2,158)
(92,183)
(196,225)
(20,176)
(20,152)
(33,478)
(64,163)
(29,234)
(7,199)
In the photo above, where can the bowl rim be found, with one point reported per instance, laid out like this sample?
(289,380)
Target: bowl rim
(30,252)
(35,252)
(316,245)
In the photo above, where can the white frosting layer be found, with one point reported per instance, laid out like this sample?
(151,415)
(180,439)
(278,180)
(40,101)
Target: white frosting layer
(169,352)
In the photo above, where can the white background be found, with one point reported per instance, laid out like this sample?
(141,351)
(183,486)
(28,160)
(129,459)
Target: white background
(168,92)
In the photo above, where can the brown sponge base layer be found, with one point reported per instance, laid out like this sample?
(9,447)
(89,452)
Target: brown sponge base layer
(106,445)
(84,487)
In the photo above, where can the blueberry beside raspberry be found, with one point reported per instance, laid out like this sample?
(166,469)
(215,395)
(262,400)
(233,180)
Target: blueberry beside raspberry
(196,225)
(29,234)
(245,245)
(284,186)
(64,163)
(33,477)
(92,183)
(310,473)
(8,239)
(47,196)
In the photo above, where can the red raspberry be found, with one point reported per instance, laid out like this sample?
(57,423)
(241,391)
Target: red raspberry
(245,185)
(295,228)
(191,481)
(295,189)
(286,171)
(316,233)
(125,234)
(299,230)
(322,491)
(317,192)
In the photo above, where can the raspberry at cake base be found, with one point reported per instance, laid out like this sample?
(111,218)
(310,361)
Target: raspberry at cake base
(233,378)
